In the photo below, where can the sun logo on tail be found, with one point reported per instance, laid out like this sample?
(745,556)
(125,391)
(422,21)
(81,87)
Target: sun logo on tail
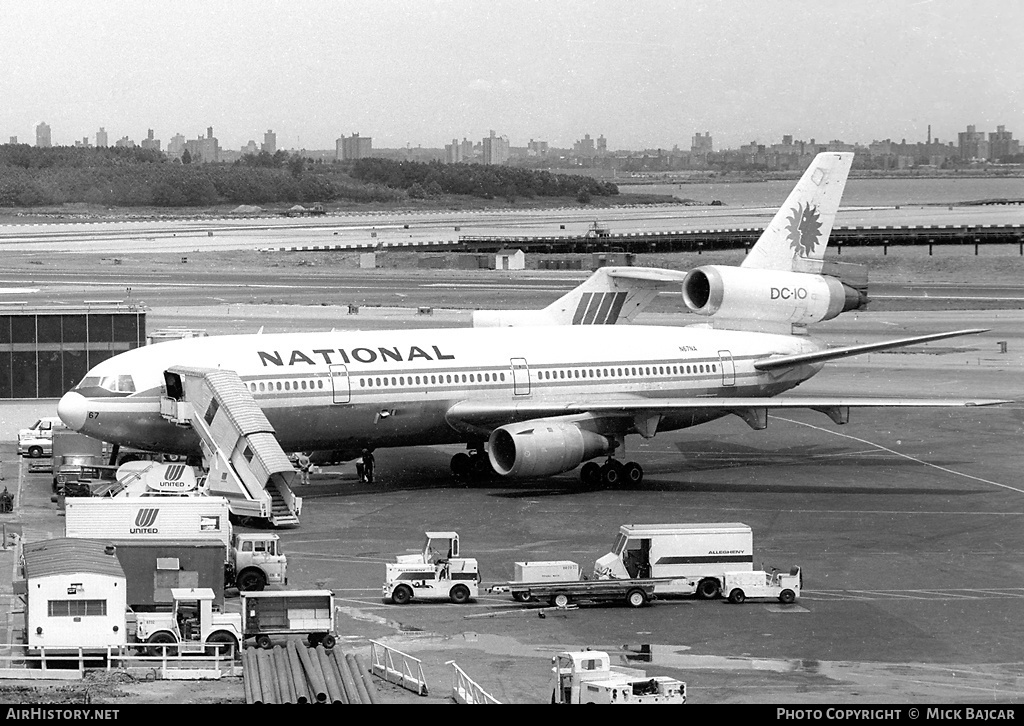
(804,229)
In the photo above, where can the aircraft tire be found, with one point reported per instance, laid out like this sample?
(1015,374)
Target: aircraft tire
(462,466)
(612,474)
(633,473)
(590,474)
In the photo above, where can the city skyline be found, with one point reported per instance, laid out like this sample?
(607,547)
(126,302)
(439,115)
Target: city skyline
(422,73)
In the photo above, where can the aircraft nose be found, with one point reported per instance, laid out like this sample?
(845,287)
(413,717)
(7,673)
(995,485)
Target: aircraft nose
(73,409)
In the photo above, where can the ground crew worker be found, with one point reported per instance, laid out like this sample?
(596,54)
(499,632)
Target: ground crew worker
(367,466)
(303,464)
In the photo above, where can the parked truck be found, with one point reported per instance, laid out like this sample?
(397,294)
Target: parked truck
(588,676)
(289,612)
(686,559)
(192,626)
(252,561)
(72,453)
(37,440)
(435,573)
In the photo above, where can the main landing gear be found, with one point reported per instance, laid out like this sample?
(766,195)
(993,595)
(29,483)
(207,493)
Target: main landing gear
(611,473)
(474,466)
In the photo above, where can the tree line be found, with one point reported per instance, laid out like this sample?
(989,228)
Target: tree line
(422,179)
(135,177)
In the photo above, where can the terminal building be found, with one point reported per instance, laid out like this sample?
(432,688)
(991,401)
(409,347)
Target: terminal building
(45,351)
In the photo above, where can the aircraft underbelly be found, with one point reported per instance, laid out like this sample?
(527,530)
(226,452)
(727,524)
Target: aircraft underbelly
(359,425)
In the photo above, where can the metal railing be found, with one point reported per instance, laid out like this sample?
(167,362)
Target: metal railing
(165,661)
(397,667)
(465,689)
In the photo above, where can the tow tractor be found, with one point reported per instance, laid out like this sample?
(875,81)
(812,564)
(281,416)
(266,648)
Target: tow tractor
(758,583)
(191,623)
(589,677)
(436,573)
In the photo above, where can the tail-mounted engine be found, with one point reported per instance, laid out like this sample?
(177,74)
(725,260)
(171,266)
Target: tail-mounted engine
(543,448)
(768,295)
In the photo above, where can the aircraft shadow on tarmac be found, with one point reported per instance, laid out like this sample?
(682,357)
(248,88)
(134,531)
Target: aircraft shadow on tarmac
(827,470)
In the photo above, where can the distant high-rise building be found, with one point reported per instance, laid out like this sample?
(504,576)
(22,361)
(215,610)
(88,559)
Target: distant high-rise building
(149,142)
(353,147)
(43,135)
(83,144)
(204,149)
(602,144)
(269,142)
(584,146)
(176,147)
(972,144)
(250,148)
(453,152)
(124,143)
(1002,145)
(495,149)
(14,140)
(101,138)
(537,148)
(702,145)
(467,149)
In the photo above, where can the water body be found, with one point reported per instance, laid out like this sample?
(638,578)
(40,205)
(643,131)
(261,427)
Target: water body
(858,192)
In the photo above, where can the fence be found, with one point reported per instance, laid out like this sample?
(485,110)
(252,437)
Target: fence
(174,661)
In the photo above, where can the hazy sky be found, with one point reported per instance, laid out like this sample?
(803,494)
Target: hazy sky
(643,74)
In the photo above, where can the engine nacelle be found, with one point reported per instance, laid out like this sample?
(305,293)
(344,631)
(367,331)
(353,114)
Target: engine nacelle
(768,295)
(542,448)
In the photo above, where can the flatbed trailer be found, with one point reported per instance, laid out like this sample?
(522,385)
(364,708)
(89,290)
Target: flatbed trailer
(635,593)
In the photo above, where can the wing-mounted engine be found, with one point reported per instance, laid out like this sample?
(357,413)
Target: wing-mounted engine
(749,297)
(543,447)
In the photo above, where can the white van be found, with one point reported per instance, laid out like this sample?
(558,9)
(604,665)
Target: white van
(37,439)
(698,555)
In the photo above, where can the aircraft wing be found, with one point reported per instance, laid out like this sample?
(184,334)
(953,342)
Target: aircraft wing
(787,361)
(487,414)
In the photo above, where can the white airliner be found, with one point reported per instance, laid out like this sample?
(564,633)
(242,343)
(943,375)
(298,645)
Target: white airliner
(534,395)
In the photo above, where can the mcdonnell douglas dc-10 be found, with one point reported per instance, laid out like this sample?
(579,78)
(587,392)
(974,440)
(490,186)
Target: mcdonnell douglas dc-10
(540,392)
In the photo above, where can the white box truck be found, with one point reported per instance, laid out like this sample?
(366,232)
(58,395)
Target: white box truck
(695,556)
(253,560)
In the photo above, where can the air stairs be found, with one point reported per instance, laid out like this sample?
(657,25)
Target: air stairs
(245,463)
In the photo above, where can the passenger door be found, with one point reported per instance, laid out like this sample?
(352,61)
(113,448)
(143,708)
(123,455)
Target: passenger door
(520,377)
(728,368)
(340,384)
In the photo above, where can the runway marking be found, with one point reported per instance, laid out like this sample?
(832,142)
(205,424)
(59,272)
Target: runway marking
(1005,593)
(902,455)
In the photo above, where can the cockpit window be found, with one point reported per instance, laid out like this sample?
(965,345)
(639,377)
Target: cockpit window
(114,384)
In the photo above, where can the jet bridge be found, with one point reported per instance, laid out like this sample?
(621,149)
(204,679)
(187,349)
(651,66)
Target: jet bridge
(244,460)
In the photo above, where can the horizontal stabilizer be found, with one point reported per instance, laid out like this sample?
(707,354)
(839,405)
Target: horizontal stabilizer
(788,361)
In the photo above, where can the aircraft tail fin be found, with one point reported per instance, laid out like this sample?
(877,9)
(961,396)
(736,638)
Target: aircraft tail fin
(798,234)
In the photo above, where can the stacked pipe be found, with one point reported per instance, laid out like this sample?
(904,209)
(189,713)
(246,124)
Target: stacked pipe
(298,674)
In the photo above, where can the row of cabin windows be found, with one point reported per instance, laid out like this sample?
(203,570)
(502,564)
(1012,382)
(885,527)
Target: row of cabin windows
(286,386)
(622,372)
(384,381)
